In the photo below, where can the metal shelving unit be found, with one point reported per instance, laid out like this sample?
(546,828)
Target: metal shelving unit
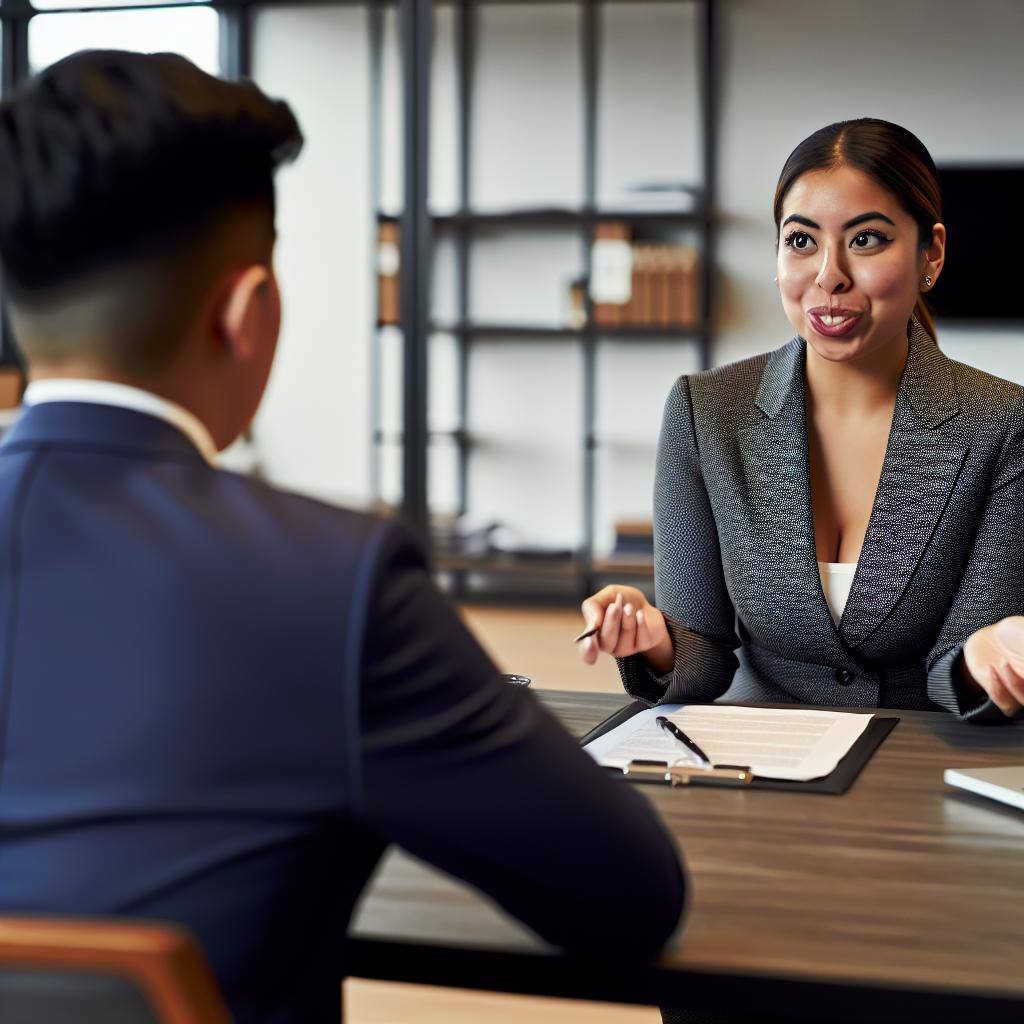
(418,228)
(580,574)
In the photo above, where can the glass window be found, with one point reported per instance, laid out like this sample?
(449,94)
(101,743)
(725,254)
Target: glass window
(53,5)
(192,32)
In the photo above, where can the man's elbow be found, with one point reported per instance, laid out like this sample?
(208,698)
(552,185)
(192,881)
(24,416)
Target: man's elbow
(637,914)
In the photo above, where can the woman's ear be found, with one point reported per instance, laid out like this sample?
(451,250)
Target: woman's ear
(244,310)
(934,255)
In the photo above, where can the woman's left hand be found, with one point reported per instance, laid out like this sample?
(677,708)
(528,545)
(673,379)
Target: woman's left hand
(994,662)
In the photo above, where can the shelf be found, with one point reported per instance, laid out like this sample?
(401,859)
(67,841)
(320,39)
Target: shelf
(507,565)
(555,216)
(460,437)
(486,330)
(483,330)
(624,566)
(625,331)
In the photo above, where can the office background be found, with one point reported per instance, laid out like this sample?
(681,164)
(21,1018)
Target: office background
(332,421)
(331,424)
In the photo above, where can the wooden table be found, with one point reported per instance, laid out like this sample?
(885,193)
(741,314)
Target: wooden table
(901,900)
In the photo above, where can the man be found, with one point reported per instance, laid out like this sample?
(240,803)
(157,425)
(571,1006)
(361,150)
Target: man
(219,702)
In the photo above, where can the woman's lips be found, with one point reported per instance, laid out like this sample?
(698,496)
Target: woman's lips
(840,322)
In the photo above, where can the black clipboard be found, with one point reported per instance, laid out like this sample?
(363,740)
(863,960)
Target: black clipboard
(836,782)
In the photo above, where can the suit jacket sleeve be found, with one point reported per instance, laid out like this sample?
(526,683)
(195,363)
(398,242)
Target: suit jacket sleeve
(992,585)
(689,584)
(471,774)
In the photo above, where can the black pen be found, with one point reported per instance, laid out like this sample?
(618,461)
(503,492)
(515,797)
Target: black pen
(684,739)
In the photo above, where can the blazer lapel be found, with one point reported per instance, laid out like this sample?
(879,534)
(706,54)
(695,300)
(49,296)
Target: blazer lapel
(781,526)
(924,457)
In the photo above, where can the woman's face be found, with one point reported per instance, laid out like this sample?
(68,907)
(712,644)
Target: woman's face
(850,263)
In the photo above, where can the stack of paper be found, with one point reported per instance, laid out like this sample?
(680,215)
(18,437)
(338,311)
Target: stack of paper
(773,743)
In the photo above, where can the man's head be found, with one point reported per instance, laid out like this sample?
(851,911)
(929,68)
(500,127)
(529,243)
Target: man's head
(137,228)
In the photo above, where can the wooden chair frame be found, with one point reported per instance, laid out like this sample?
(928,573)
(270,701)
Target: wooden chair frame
(162,959)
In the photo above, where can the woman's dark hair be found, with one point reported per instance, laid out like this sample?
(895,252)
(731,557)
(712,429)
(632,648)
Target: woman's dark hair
(109,155)
(888,154)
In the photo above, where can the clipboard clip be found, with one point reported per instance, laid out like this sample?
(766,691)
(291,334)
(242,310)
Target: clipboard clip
(685,774)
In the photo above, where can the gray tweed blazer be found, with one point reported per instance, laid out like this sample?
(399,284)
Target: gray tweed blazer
(734,553)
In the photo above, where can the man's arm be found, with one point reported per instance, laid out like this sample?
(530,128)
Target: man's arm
(474,776)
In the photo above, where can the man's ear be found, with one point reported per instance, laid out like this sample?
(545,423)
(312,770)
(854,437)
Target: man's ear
(239,318)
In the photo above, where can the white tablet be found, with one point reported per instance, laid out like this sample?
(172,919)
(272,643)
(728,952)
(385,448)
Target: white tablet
(1003,784)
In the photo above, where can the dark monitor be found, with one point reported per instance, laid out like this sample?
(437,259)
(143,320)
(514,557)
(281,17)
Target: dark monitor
(983,210)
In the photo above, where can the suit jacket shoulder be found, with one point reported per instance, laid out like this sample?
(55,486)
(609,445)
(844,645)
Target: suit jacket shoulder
(991,405)
(720,401)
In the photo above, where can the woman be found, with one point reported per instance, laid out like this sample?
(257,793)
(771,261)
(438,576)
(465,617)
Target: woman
(847,510)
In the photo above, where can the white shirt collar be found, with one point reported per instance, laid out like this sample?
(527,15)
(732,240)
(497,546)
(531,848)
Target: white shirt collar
(107,392)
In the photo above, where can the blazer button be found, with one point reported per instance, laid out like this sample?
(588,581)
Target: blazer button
(844,676)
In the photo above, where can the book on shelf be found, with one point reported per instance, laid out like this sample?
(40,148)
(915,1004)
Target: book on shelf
(577,318)
(634,538)
(611,269)
(389,310)
(642,284)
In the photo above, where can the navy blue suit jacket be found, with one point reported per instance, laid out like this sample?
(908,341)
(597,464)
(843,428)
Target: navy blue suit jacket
(220,703)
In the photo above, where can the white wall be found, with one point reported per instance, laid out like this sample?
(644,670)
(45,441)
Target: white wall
(950,72)
(312,433)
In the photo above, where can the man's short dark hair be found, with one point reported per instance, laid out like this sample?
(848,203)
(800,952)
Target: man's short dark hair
(108,155)
(114,169)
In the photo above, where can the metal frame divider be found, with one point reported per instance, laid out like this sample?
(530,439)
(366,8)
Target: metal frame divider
(375,32)
(707,77)
(590,27)
(416,25)
(235,38)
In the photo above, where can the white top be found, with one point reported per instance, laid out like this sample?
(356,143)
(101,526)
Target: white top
(106,392)
(836,580)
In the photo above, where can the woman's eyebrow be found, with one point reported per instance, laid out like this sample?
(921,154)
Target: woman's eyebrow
(873,215)
(860,219)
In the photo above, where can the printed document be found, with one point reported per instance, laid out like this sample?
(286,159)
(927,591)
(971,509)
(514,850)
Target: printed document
(774,743)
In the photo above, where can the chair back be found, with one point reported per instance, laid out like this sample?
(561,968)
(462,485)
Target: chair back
(88,971)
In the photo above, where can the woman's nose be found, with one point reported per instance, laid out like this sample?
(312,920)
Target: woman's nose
(832,278)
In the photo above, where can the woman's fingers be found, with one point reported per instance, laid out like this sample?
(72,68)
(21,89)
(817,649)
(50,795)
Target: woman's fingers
(610,626)
(617,628)
(644,640)
(1007,667)
(1000,694)
(1012,676)
(627,632)
(593,611)
(601,611)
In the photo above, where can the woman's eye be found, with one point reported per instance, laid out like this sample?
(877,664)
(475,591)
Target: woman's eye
(868,240)
(800,240)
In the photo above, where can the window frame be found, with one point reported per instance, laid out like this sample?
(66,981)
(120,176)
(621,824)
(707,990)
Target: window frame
(235,21)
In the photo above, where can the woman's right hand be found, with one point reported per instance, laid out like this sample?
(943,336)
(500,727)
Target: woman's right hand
(627,623)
